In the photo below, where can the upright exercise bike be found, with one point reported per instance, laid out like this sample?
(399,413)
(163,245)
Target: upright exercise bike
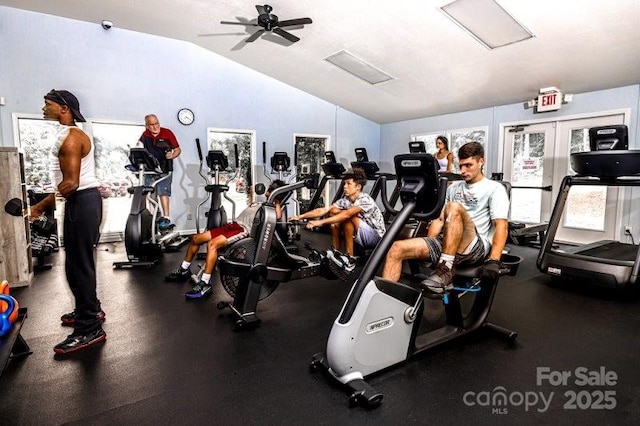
(379,325)
(143,241)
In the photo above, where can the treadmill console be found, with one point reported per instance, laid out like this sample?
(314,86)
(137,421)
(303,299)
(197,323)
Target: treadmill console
(609,157)
(609,138)
(331,167)
(417,147)
(362,161)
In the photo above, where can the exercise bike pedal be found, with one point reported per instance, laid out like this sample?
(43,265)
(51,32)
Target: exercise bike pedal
(363,394)
(247,322)
(319,362)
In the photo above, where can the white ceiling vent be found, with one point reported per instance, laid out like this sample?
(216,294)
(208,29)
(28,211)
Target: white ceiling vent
(358,67)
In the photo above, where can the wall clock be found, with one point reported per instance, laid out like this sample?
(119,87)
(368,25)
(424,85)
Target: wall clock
(185,116)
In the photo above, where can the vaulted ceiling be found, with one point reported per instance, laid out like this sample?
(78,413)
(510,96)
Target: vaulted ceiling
(437,68)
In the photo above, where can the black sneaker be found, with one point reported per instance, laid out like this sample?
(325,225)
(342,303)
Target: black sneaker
(342,265)
(199,291)
(178,274)
(80,341)
(70,318)
(440,281)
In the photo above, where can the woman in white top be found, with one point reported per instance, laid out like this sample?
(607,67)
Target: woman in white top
(444,156)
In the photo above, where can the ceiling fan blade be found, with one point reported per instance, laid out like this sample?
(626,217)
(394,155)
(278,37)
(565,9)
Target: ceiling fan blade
(254,36)
(260,9)
(286,34)
(291,22)
(250,24)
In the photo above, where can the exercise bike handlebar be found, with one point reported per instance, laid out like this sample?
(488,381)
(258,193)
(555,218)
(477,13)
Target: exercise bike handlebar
(442,189)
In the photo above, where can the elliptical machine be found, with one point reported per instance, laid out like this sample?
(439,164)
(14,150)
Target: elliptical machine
(280,166)
(143,242)
(216,215)
(217,162)
(379,325)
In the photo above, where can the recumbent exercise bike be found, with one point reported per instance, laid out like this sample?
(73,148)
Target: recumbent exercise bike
(381,323)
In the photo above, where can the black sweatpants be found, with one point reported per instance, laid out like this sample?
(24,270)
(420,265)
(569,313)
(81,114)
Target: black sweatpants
(82,217)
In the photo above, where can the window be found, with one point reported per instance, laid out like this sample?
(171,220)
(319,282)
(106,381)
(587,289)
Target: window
(456,138)
(238,179)
(112,141)
(309,151)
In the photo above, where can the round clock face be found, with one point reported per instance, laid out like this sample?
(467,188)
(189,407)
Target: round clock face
(185,116)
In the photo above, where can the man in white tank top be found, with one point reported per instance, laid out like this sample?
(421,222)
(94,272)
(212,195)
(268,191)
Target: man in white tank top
(74,177)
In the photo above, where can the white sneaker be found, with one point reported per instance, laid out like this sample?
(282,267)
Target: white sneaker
(342,265)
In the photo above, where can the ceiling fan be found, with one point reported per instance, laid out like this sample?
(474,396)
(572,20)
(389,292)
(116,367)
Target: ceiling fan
(270,23)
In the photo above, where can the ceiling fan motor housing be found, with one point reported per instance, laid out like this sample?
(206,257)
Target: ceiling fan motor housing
(267,21)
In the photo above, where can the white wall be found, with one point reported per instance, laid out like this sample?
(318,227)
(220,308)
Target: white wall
(395,136)
(123,75)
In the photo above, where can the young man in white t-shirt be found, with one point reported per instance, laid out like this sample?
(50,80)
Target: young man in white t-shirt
(472,227)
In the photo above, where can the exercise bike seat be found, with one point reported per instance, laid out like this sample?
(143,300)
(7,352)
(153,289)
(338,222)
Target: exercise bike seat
(468,271)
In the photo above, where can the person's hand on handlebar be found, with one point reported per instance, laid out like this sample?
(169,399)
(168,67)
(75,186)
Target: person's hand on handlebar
(314,224)
(491,270)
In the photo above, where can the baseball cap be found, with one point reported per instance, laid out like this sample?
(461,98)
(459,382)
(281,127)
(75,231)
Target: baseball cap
(68,99)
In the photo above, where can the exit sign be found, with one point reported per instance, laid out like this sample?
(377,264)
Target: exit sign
(549,102)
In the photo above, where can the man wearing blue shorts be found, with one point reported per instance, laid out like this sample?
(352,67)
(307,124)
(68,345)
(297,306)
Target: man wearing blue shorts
(163,145)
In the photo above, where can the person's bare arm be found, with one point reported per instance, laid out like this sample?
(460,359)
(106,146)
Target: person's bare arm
(43,205)
(174,153)
(313,214)
(70,156)
(499,238)
(449,162)
(344,215)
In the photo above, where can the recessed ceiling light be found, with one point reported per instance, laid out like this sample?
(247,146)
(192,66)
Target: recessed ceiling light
(487,22)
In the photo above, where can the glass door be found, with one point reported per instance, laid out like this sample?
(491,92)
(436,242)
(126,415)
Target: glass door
(239,180)
(309,151)
(537,158)
(591,212)
(528,165)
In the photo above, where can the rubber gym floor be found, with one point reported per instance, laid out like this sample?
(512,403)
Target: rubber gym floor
(169,361)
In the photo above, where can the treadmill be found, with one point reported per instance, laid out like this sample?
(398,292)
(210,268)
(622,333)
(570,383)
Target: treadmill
(606,263)
(332,171)
(372,171)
